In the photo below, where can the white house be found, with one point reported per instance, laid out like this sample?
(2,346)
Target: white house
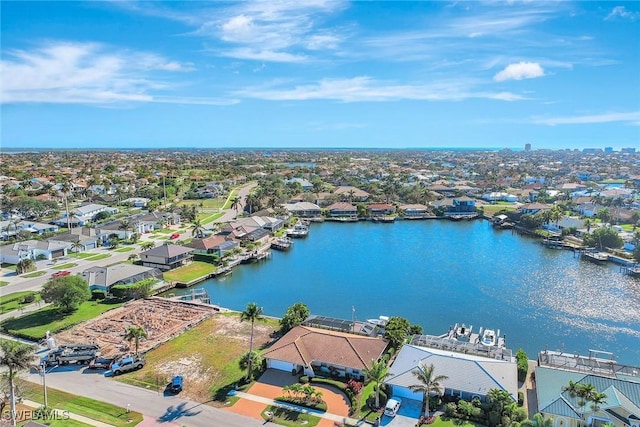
(469,375)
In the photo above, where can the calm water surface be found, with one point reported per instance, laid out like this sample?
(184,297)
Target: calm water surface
(437,273)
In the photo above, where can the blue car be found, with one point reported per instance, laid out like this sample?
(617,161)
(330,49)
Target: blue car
(176,384)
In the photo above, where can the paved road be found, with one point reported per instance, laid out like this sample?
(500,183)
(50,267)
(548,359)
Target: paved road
(165,409)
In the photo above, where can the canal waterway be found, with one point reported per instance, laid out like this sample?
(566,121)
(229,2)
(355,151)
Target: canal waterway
(438,273)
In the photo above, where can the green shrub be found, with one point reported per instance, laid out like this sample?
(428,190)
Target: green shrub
(523,364)
(303,379)
(98,295)
(319,406)
(28,299)
(520,398)
(450,409)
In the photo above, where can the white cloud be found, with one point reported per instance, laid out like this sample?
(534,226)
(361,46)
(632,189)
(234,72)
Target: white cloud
(366,89)
(519,71)
(622,12)
(88,73)
(275,31)
(631,118)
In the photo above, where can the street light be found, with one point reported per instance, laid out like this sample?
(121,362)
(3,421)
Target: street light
(43,373)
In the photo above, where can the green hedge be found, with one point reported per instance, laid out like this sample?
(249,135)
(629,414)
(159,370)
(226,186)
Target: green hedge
(210,258)
(353,401)
(523,364)
(319,406)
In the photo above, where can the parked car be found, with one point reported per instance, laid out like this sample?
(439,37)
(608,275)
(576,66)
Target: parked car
(177,383)
(100,363)
(61,273)
(174,236)
(127,364)
(393,404)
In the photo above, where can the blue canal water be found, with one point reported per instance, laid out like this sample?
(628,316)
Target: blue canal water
(438,273)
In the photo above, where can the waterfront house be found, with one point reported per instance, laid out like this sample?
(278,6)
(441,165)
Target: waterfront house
(166,257)
(103,278)
(534,208)
(380,209)
(342,210)
(463,205)
(216,245)
(303,209)
(470,375)
(414,211)
(270,224)
(620,384)
(315,351)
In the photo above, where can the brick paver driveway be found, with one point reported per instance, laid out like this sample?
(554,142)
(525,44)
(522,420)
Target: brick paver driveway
(270,386)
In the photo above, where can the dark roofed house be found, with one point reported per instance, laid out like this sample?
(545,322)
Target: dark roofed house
(167,257)
(217,245)
(343,210)
(103,278)
(380,209)
(325,352)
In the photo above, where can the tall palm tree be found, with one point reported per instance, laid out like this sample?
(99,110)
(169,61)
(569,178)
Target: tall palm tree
(377,373)
(251,313)
(134,334)
(235,203)
(428,381)
(16,357)
(197,229)
(540,421)
(76,246)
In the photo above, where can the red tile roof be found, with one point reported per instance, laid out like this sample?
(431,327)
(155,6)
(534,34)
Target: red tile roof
(303,345)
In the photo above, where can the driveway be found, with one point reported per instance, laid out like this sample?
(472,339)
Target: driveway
(407,415)
(270,386)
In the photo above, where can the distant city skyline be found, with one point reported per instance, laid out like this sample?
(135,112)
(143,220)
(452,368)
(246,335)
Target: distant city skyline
(320,74)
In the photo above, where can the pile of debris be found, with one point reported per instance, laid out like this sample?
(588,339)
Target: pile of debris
(161,318)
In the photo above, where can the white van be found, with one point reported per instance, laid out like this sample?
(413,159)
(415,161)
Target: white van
(393,404)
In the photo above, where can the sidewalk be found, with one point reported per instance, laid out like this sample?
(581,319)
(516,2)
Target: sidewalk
(325,415)
(24,310)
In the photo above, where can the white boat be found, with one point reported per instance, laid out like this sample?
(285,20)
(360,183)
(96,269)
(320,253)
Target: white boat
(380,321)
(463,331)
(488,338)
(299,230)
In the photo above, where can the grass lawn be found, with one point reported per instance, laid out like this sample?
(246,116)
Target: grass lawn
(12,302)
(206,355)
(3,283)
(34,274)
(81,405)
(206,203)
(207,218)
(125,249)
(98,257)
(363,408)
(189,272)
(81,255)
(65,266)
(35,325)
(490,210)
(11,267)
(285,417)
(163,231)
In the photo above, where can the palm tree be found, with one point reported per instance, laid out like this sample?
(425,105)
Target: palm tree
(76,246)
(235,203)
(197,229)
(251,313)
(597,399)
(248,361)
(540,421)
(134,334)
(572,388)
(147,245)
(16,357)
(428,382)
(377,373)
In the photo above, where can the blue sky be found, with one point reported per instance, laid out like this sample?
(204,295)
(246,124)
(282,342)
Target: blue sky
(315,73)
